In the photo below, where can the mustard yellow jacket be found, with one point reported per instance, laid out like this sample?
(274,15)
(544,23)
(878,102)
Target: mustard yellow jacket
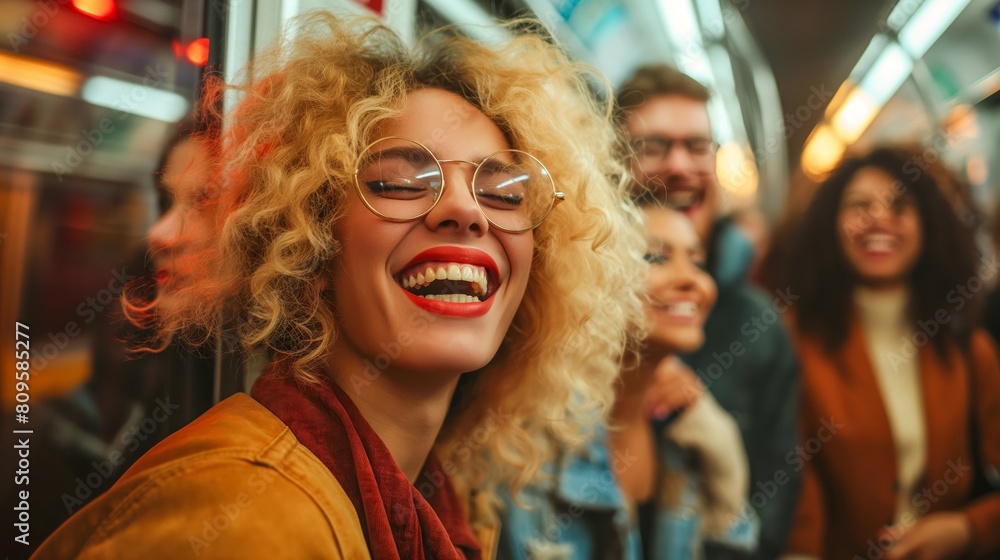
(235,483)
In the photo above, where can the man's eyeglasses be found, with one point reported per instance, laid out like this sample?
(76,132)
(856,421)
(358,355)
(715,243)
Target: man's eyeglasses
(655,148)
(401,180)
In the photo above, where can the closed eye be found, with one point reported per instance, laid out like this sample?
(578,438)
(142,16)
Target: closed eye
(500,199)
(656,258)
(396,189)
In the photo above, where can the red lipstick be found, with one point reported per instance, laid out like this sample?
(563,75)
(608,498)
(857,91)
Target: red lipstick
(458,255)
(463,255)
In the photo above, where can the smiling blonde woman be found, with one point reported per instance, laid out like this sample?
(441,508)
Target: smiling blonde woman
(430,248)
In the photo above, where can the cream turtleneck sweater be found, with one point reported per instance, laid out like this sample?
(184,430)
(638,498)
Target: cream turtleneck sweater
(886,328)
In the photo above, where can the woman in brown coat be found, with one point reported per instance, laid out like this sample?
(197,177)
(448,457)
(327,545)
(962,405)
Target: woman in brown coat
(900,409)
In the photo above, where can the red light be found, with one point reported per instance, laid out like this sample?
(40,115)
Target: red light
(178,48)
(103,10)
(197,51)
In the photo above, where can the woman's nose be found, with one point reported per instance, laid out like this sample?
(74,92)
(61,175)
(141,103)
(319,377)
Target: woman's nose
(165,231)
(457,208)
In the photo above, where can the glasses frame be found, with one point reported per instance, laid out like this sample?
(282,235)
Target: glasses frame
(670,144)
(557,196)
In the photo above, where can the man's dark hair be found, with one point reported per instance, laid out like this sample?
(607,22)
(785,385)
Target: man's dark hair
(657,79)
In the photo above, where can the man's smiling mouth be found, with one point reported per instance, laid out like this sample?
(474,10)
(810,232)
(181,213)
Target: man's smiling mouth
(683,200)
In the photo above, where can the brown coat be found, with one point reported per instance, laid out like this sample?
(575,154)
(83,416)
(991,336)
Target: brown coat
(235,483)
(848,457)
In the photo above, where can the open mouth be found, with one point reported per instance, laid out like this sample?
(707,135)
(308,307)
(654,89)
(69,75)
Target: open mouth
(878,243)
(684,200)
(681,309)
(449,282)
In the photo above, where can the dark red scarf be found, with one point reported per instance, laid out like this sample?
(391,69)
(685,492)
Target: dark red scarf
(398,521)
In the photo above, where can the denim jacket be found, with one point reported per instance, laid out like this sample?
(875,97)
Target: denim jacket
(678,532)
(579,511)
(576,509)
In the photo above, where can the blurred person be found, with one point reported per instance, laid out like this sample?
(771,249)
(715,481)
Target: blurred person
(692,480)
(747,361)
(188,203)
(392,239)
(104,426)
(991,305)
(692,491)
(901,389)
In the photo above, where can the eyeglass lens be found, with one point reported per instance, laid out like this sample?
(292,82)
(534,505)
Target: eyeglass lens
(659,147)
(402,180)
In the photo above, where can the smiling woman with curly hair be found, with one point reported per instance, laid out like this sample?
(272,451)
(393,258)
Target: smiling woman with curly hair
(430,246)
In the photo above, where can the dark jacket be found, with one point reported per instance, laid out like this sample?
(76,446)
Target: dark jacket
(748,364)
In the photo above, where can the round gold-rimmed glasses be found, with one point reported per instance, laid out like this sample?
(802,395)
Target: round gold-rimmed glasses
(400,180)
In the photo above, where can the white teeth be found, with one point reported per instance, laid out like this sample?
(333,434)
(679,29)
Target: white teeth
(475,275)
(682,199)
(683,309)
(879,243)
(452,298)
(480,282)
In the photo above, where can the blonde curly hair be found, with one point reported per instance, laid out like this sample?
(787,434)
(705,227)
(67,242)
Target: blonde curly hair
(289,154)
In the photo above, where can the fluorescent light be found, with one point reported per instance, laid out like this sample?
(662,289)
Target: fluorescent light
(736,170)
(822,152)
(712,18)
(39,75)
(901,12)
(472,19)
(722,127)
(681,23)
(871,54)
(889,71)
(927,24)
(136,99)
(678,19)
(854,116)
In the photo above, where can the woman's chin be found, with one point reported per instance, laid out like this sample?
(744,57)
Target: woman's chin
(677,342)
(444,362)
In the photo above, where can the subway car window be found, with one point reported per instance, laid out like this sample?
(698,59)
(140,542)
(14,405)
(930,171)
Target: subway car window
(93,95)
(500,279)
